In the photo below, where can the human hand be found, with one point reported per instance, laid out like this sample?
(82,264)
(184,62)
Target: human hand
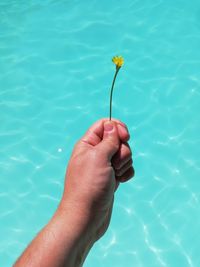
(100,161)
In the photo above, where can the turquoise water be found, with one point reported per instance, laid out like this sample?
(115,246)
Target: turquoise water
(55,75)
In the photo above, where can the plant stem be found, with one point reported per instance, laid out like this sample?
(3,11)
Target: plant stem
(111,91)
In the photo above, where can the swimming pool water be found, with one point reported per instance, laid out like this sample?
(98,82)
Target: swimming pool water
(55,75)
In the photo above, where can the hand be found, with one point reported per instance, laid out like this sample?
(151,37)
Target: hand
(100,161)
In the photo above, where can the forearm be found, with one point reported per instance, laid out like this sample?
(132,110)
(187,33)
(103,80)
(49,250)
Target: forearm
(63,242)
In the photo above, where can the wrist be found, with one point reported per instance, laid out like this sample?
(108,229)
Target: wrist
(79,212)
(75,222)
(74,239)
(90,220)
(74,219)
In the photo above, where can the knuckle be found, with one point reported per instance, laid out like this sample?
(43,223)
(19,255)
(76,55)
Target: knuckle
(127,175)
(127,152)
(122,159)
(124,168)
(117,164)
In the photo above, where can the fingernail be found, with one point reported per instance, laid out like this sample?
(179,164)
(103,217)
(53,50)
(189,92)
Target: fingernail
(108,126)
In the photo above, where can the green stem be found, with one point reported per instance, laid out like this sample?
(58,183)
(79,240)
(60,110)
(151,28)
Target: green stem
(111,91)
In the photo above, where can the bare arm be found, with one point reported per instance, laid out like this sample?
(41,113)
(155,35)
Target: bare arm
(100,161)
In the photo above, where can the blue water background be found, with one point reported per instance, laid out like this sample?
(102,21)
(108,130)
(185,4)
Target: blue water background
(55,75)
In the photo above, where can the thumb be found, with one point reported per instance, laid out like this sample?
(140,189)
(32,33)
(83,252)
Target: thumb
(110,142)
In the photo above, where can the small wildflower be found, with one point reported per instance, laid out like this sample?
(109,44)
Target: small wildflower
(118,61)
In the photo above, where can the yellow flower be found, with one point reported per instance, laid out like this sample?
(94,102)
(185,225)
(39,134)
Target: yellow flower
(118,61)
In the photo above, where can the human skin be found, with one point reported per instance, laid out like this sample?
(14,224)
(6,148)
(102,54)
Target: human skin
(100,161)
